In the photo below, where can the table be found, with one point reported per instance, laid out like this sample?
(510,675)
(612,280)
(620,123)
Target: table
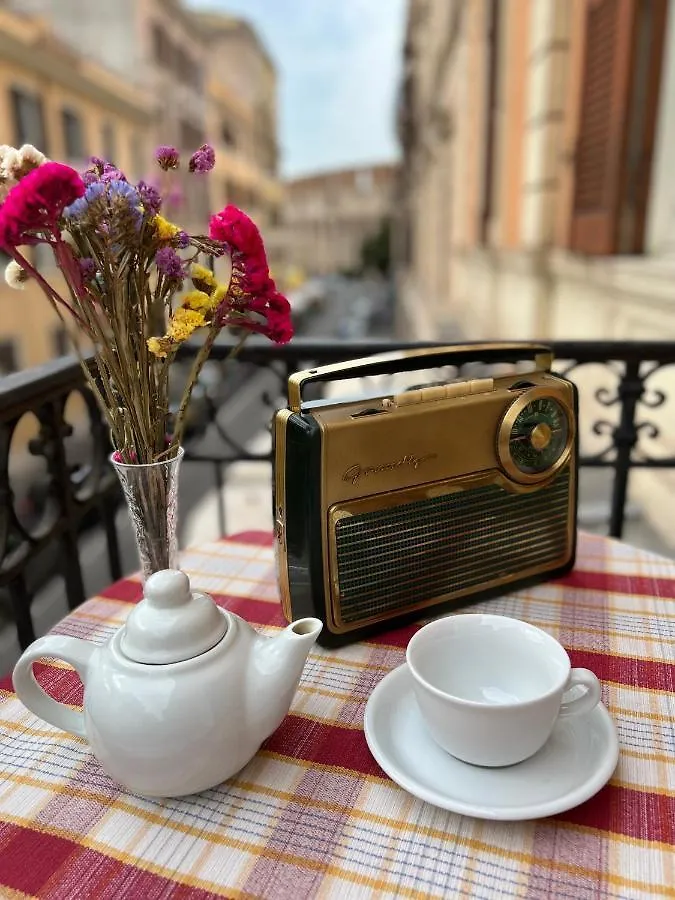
(312,815)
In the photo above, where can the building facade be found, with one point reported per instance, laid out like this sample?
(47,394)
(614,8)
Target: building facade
(161,75)
(71,108)
(538,192)
(241,92)
(328,216)
(200,69)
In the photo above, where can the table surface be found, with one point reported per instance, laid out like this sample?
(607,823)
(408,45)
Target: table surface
(312,815)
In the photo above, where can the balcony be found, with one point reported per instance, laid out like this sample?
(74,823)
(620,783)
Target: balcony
(63,529)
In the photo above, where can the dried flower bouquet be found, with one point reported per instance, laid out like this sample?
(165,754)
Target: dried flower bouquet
(133,289)
(122,262)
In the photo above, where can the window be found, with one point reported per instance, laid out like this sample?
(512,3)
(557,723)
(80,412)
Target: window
(73,138)
(29,124)
(617,123)
(108,141)
(60,339)
(7,357)
(161,46)
(191,136)
(227,136)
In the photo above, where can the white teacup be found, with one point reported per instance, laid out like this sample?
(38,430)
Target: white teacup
(490,688)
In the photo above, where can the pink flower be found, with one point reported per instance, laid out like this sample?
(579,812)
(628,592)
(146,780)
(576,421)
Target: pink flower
(36,202)
(167,157)
(202,160)
(279,327)
(253,302)
(233,227)
(255,274)
(279,303)
(271,314)
(276,327)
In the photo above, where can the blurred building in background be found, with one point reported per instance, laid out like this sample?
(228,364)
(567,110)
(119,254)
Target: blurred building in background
(70,107)
(88,77)
(538,189)
(241,93)
(329,216)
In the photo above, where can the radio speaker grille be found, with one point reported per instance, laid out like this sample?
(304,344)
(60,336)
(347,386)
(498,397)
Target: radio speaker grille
(401,556)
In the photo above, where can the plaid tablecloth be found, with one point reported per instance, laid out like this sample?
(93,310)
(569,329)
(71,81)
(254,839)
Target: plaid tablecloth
(312,815)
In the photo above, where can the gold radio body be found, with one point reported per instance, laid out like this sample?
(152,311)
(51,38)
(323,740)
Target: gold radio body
(394,507)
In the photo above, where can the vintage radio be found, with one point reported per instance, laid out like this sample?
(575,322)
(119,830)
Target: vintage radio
(397,506)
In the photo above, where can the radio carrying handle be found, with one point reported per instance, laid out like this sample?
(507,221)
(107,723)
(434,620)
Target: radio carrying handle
(409,361)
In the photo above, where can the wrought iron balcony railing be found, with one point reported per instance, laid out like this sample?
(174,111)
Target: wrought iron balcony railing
(78,491)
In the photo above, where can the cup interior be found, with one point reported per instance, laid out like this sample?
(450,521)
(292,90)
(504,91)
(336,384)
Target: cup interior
(487,659)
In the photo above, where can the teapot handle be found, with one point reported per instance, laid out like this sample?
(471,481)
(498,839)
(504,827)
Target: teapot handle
(71,650)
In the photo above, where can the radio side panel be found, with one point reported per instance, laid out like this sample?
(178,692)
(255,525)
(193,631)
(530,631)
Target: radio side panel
(298,516)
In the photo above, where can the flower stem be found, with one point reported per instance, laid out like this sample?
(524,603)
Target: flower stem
(44,284)
(200,359)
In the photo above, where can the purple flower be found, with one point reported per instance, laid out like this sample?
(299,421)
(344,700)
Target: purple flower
(87,268)
(167,157)
(78,209)
(89,178)
(183,239)
(112,173)
(150,198)
(97,163)
(124,199)
(202,160)
(169,263)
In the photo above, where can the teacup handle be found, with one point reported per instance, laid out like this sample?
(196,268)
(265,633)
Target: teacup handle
(71,650)
(588,700)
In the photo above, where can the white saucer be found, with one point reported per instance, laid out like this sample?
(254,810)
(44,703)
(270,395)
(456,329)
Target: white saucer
(576,761)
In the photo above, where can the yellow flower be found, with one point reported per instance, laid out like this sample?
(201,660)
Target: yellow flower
(159,347)
(197,300)
(183,323)
(164,229)
(219,295)
(202,275)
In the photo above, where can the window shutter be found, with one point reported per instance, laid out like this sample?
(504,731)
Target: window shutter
(622,67)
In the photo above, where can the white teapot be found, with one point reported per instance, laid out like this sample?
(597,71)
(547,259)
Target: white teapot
(181,697)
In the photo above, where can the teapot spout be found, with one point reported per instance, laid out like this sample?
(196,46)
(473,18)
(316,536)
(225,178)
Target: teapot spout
(277,665)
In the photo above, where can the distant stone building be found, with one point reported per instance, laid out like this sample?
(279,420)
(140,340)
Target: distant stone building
(328,216)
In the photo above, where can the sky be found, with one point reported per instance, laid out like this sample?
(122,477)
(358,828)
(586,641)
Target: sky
(338,64)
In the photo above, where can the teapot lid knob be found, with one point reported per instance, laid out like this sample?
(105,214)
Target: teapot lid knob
(171,623)
(168,588)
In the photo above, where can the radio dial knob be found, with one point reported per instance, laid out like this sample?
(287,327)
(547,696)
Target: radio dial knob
(535,436)
(540,436)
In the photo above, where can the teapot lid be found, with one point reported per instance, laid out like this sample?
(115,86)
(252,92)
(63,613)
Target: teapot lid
(171,623)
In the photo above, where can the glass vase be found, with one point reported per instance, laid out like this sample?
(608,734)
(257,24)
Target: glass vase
(151,493)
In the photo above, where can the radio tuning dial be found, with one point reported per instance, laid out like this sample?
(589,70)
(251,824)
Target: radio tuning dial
(535,436)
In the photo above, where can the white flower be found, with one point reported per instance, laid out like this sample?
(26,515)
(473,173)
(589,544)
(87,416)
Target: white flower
(18,163)
(6,182)
(10,161)
(16,276)
(4,150)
